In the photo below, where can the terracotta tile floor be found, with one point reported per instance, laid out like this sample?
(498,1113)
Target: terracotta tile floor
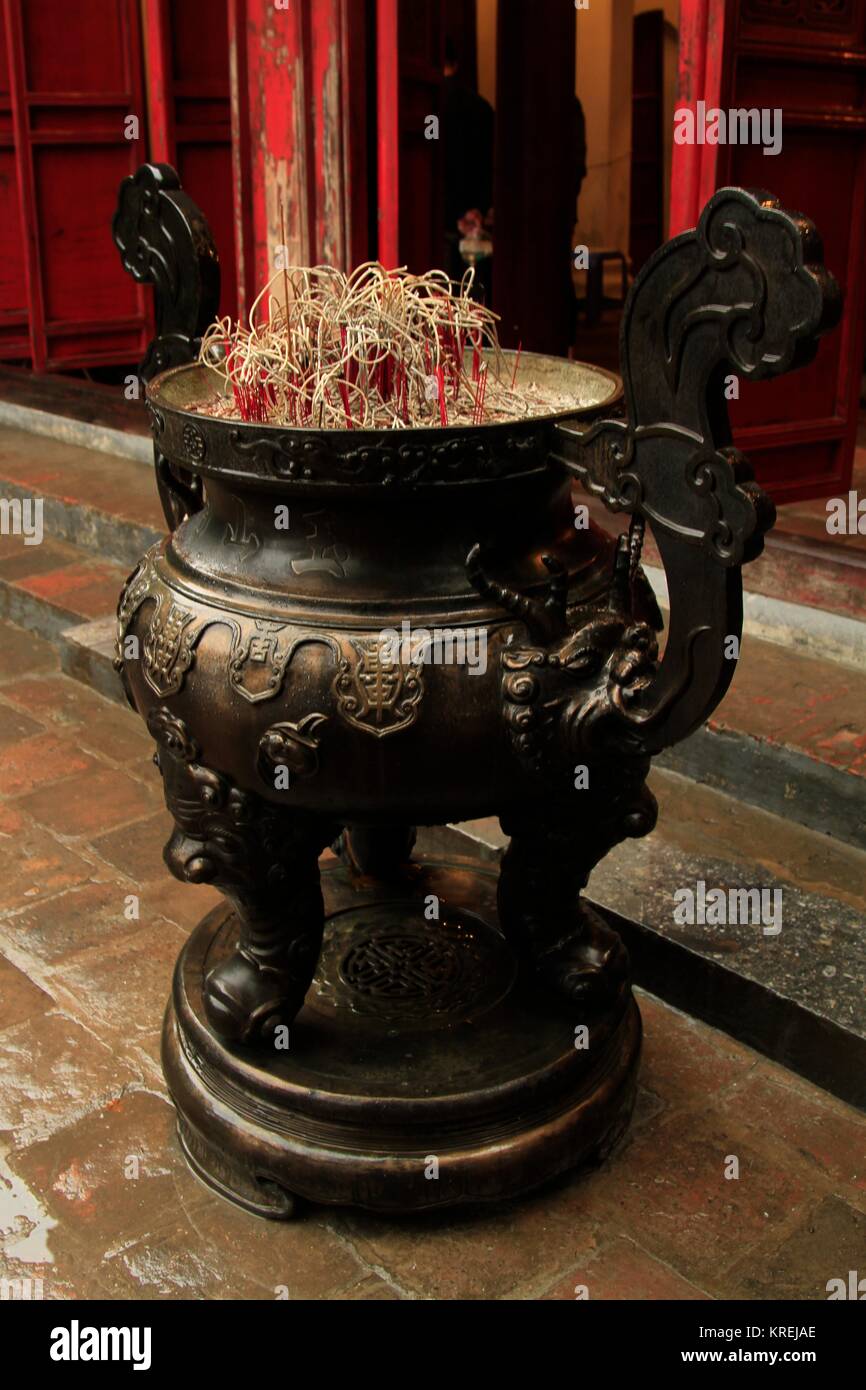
(96,1201)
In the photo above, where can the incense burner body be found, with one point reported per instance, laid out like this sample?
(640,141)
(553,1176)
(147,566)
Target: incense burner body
(321,615)
(350,633)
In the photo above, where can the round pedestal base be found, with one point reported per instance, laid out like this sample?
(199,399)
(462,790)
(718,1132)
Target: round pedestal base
(424,1070)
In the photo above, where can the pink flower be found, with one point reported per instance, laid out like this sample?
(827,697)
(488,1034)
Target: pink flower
(472,223)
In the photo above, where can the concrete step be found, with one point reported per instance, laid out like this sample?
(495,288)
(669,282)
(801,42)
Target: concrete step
(86,653)
(796,995)
(801,593)
(50,587)
(102,502)
(75,412)
(789,737)
(100,514)
(62,593)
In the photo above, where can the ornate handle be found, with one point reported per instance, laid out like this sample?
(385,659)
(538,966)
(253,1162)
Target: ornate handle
(165,241)
(745,292)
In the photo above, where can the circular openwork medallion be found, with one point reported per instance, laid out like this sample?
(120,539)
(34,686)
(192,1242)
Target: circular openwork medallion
(402,966)
(377,962)
(193,443)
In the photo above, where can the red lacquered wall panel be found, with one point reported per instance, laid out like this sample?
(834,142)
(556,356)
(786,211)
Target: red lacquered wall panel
(14,337)
(807,58)
(187,51)
(73,75)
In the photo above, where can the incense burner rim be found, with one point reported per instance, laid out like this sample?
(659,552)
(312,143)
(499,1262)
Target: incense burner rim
(433,458)
(158,399)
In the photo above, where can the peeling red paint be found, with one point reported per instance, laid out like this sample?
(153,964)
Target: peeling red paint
(388,131)
(693,174)
(297,95)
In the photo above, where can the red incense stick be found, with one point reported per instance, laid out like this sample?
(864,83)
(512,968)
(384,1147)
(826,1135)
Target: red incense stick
(443,409)
(478,413)
(344,392)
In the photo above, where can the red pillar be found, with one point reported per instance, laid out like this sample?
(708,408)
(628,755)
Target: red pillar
(241,162)
(155,22)
(693,167)
(300,113)
(387,132)
(278,136)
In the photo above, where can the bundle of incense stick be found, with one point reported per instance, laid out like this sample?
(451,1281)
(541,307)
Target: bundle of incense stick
(376,349)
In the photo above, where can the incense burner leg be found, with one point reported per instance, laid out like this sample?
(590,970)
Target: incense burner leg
(264,983)
(380,851)
(265,860)
(547,864)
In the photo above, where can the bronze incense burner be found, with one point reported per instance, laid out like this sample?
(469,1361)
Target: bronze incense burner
(400,1032)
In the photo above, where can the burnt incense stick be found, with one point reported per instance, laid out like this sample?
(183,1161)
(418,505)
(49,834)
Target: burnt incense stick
(284,251)
(516,363)
(359,351)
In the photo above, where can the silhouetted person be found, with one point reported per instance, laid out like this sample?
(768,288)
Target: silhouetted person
(466,132)
(578,137)
(579,146)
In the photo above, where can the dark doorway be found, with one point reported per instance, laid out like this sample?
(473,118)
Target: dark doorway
(420,50)
(535,174)
(646,231)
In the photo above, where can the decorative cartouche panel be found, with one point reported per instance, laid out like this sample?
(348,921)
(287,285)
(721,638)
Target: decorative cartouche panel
(372,689)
